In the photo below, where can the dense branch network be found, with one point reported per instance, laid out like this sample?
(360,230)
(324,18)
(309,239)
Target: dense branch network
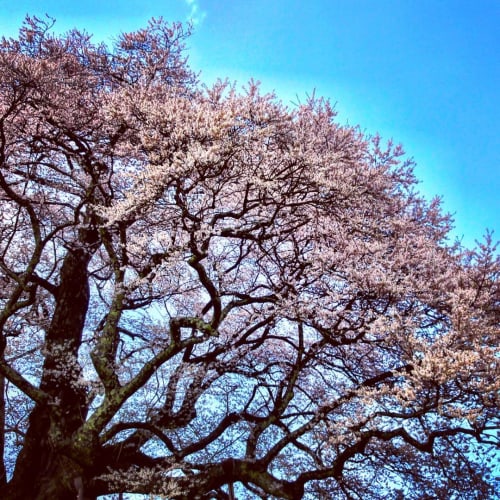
(203,290)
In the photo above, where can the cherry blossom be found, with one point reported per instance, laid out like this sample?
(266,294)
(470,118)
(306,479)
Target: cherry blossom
(207,294)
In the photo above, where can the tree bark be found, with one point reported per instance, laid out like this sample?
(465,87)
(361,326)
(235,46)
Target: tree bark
(43,468)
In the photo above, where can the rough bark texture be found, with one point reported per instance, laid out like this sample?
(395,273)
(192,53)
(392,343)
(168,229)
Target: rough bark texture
(43,469)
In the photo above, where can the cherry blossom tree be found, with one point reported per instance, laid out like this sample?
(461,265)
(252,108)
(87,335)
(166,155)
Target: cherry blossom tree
(206,294)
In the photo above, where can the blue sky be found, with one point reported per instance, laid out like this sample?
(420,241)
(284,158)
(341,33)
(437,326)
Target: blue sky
(424,72)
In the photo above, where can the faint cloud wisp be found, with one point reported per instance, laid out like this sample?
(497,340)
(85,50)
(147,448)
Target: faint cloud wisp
(196,15)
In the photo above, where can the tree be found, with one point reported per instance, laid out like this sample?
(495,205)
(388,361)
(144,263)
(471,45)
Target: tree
(205,292)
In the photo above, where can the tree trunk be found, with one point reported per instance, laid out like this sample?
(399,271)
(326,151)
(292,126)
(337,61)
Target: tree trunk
(43,469)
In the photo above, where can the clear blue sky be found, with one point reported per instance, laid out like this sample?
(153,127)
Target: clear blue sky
(424,72)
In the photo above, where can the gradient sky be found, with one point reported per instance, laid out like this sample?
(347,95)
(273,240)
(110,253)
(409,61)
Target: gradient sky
(424,72)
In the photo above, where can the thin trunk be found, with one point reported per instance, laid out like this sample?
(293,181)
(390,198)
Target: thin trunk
(3,473)
(231,491)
